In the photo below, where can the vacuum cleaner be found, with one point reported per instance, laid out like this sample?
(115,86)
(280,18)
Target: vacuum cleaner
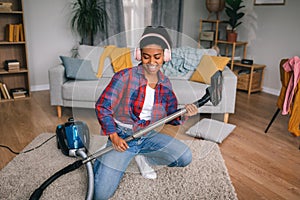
(73,139)
(213,93)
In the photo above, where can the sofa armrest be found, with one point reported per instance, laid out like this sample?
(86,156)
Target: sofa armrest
(56,81)
(229,91)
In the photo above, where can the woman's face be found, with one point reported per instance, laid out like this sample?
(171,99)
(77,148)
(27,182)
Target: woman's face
(152,58)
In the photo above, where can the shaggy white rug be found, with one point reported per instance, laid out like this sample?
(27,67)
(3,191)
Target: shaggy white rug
(205,178)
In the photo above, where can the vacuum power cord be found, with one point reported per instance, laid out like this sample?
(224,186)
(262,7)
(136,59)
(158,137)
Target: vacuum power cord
(14,152)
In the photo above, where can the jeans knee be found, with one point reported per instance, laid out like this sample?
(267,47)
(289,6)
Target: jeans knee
(184,160)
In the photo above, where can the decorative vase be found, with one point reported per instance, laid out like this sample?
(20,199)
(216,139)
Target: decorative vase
(215,6)
(231,36)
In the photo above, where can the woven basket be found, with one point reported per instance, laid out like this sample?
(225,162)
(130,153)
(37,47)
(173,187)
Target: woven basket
(244,80)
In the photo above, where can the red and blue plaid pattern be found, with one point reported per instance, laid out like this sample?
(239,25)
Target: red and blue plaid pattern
(123,100)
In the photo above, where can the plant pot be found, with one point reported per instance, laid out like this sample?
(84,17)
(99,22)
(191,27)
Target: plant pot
(231,36)
(215,5)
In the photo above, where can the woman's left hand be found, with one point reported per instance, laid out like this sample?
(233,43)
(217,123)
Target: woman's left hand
(191,109)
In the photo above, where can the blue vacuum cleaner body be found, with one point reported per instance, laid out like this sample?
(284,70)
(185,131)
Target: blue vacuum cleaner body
(72,136)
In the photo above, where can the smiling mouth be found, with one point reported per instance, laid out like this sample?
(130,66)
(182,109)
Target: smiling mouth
(152,67)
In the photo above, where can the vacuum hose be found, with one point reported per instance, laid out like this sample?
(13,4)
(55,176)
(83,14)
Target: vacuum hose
(90,172)
(89,196)
(39,191)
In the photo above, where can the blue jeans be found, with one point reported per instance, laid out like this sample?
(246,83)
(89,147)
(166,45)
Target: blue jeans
(159,149)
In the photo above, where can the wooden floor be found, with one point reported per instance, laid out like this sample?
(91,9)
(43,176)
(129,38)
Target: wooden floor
(261,166)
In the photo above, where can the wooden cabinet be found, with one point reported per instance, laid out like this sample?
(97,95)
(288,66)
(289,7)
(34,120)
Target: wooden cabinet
(250,77)
(13,47)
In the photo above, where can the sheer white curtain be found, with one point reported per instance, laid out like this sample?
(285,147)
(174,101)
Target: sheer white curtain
(137,15)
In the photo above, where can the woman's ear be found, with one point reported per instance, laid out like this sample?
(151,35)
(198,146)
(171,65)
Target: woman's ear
(138,54)
(167,55)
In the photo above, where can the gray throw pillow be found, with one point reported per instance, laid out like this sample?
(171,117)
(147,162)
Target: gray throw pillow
(78,68)
(210,129)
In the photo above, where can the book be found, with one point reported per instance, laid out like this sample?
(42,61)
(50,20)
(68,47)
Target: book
(18,96)
(3,91)
(18,92)
(6,91)
(12,65)
(16,33)
(22,35)
(10,32)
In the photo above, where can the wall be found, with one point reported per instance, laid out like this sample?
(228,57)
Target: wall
(49,35)
(277,37)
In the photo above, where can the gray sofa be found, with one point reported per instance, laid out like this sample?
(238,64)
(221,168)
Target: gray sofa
(66,92)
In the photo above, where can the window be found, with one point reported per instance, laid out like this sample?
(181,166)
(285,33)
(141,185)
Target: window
(137,14)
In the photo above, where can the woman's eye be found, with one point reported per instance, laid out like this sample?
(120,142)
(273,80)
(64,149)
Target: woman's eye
(146,57)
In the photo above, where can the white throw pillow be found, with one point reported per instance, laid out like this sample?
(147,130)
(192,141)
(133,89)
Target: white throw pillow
(210,129)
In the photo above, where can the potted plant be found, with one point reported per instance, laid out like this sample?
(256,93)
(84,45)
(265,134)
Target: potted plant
(89,17)
(232,9)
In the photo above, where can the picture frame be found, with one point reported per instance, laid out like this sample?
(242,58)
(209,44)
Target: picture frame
(269,2)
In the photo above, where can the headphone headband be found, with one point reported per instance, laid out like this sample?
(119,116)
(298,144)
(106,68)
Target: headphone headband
(156,35)
(167,52)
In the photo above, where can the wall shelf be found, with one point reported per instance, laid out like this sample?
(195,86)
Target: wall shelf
(13,47)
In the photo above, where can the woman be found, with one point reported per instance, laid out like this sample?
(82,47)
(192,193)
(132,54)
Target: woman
(135,98)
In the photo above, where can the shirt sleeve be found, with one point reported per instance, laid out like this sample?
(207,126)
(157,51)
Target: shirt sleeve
(107,102)
(172,108)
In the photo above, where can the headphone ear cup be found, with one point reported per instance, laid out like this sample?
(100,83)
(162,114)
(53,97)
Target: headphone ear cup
(138,53)
(167,55)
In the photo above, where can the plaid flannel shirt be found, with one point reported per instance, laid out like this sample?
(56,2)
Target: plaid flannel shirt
(124,96)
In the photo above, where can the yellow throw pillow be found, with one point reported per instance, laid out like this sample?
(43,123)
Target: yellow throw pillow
(207,67)
(121,59)
(220,61)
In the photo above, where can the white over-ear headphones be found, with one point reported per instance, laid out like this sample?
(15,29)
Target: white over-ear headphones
(167,52)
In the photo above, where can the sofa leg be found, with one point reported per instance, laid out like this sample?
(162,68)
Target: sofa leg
(222,117)
(226,117)
(58,109)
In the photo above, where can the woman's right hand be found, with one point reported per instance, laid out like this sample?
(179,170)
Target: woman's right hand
(118,143)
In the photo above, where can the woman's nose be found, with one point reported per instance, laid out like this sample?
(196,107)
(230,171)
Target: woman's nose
(152,61)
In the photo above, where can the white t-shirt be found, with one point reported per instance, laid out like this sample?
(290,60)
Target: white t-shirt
(148,104)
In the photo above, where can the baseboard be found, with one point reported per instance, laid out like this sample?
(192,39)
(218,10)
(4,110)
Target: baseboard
(34,88)
(271,91)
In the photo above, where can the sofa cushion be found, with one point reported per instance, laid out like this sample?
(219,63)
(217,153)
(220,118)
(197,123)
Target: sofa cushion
(84,90)
(187,91)
(78,68)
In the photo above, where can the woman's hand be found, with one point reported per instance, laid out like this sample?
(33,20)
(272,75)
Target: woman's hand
(191,109)
(118,143)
